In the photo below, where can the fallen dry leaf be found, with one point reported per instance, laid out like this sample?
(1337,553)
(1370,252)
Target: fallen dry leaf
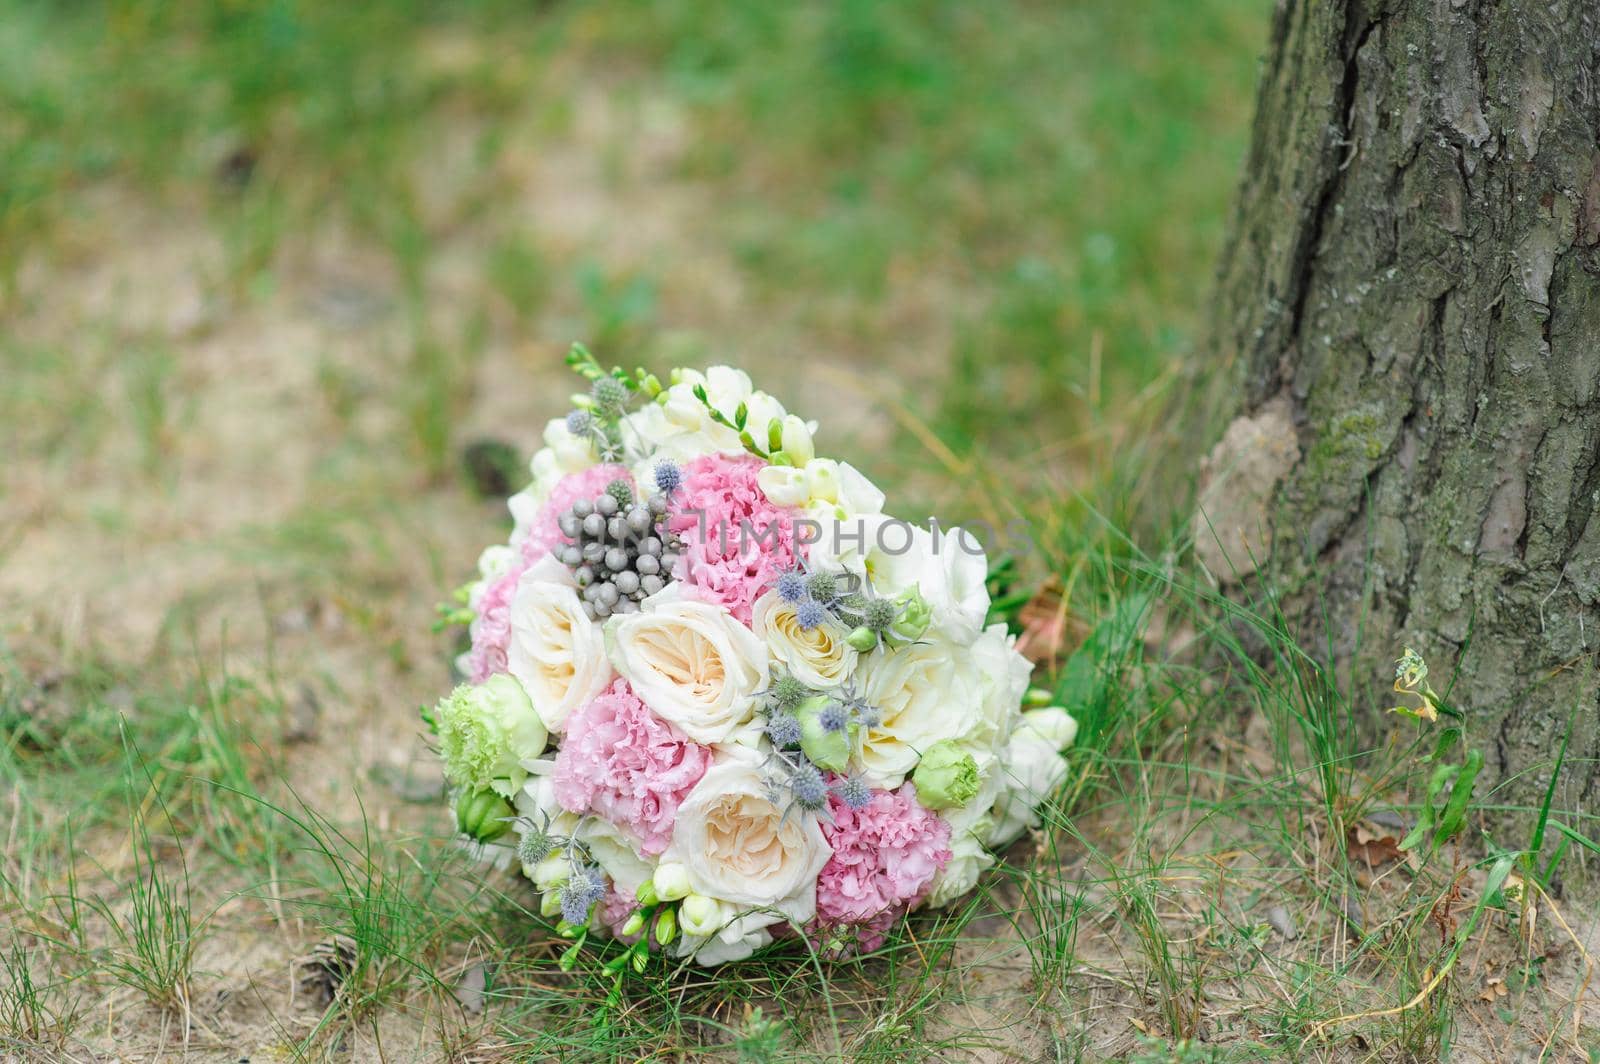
(1048,627)
(1372,845)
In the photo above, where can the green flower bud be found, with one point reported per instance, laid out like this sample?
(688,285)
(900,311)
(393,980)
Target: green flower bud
(946,777)
(862,638)
(647,893)
(915,616)
(641,960)
(550,904)
(667,926)
(633,924)
(486,732)
(483,815)
(569,958)
(825,749)
(1037,698)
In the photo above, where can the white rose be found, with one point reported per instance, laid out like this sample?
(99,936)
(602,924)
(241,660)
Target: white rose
(923,693)
(557,653)
(1005,676)
(739,847)
(1032,768)
(691,662)
(818,658)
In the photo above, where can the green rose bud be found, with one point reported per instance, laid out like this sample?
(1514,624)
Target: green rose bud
(915,616)
(946,777)
(862,638)
(482,815)
(826,749)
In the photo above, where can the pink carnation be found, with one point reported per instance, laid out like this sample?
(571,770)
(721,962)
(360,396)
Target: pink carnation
(735,541)
(491,628)
(885,856)
(623,762)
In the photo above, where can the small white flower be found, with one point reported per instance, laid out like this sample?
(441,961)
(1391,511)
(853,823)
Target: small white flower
(1031,769)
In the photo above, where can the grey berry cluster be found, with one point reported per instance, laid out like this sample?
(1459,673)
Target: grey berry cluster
(621,552)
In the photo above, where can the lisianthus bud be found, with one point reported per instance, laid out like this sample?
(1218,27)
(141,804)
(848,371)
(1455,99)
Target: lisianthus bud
(483,815)
(700,915)
(486,731)
(915,616)
(862,638)
(667,927)
(671,881)
(1053,724)
(824,748)
(632,925)
(946,777)
(797,440)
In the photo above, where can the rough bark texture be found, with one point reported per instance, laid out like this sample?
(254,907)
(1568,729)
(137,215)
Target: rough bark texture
(1412,287)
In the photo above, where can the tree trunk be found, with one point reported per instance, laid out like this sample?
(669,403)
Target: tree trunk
(1409,308)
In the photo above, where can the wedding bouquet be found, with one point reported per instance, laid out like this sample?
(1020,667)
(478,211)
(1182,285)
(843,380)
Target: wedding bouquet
(716,694)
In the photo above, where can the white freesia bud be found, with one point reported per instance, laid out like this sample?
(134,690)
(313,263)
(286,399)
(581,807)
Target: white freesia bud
(1052,724)
(671,881)
(550,904)
(797,440)
(822,476)
(699,915)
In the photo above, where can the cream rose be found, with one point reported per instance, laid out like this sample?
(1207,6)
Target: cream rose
(924,692)
(738,847)
(691,663)
(556,652)
(818,658)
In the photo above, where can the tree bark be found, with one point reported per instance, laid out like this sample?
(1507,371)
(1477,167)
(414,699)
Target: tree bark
(1409,310)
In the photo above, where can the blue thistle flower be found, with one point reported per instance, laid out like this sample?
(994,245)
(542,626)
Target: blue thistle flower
(824,587)
(787,692)
(579,893)
(579,422)
(854,792)
(783,729)
(810,790)
(792,586)
(879,614)
(834,717)
(669,478)
(609,395)
(809,614)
